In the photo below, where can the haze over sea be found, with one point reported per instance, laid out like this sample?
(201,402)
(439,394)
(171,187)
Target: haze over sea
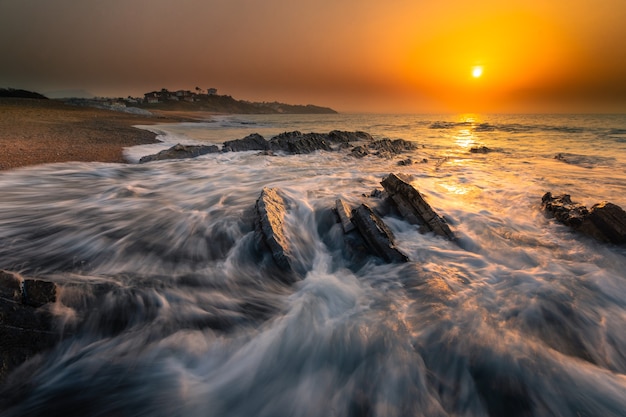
(520,317)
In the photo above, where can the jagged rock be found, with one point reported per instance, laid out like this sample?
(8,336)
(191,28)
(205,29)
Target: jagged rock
(480,149)
(604,221)
(298,143)
(253,142)
(405,162)
(25,329)
(179,151)
(271,210)
(339,136)
(376,234)
(359,152)
(343,212)
(414,208)
(387,147)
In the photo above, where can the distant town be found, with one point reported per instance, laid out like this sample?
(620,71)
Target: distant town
(197,100)
(201,100)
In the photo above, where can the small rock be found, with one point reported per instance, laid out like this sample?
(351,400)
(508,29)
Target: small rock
(180,151)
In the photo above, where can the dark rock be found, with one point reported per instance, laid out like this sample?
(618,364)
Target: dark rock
(405,162)
(343,212)
(605,221)
(338,136)
(299,143)
(179,151)
(25,329)
(414,208)
(564,210)
(610,220)
(38,292)
(253,142)
(376,234)
(480,149)
(387,147)
(271,211)
(359,152)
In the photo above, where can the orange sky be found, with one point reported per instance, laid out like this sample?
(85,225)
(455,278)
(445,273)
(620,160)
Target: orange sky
(366,55)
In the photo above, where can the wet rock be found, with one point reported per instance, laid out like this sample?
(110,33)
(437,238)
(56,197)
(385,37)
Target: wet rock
(405,162)
(376,234)
(604,221)
(480,149)
(359,152)
(270,224)
(343,212)
(25,329)
(414,208)
(338,136)
(180,151)
(253,142)
(299,143)
(387,147)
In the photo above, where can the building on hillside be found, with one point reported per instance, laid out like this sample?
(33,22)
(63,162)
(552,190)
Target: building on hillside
(211,91)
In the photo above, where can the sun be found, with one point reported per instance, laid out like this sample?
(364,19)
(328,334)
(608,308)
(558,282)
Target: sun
(477,71)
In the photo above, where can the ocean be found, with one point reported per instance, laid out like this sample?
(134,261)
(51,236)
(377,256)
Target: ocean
(169,309)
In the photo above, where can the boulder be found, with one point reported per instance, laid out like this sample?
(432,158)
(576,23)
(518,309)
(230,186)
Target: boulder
(179,151)
(604,221)
(253,142)
(376,234)
(414,208)
(270,224)
(25,328)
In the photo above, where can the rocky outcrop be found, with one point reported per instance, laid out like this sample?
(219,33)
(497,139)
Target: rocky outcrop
(414,208)
(179,151)
(300,143)
(253,142)
(340,136)
(25,325)
(384,148)
(270,227)
(376,234)
(604,221)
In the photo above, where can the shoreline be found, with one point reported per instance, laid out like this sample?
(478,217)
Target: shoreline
(35,131)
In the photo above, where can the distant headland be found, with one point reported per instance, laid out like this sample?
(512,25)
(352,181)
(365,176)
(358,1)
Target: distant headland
(205,100)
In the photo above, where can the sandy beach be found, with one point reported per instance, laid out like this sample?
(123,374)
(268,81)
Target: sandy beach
(45,131)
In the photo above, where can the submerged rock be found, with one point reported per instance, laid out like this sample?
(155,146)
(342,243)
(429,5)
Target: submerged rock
(414,208)
(25,328)
(388,147)
(480,149)
(179,151)
(376,234)
(604,221)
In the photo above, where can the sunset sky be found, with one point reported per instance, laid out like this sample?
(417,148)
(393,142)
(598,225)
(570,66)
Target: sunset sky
(363,56)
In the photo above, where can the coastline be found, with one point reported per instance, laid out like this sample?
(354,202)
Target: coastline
(34,131)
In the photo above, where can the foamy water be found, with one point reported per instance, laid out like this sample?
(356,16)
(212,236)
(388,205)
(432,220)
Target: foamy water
(173,311)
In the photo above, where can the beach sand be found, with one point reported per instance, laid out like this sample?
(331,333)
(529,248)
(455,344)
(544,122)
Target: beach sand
(44,131)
